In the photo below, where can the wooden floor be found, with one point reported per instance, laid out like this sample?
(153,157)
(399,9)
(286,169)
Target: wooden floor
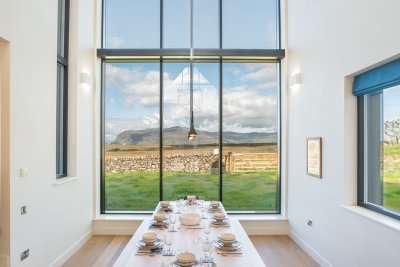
(276,251)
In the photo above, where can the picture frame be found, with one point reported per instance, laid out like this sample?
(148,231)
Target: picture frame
(314,157)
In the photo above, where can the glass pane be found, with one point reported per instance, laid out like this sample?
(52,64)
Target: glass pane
(132,24)
(250,132)
(391,160)
(60,120)
(61,28)
(249,26)
(206,24)
(132,138)
(191,167)
(176,31)
(383,148)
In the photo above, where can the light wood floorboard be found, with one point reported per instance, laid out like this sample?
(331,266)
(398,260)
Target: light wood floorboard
(281,251)
(276,251)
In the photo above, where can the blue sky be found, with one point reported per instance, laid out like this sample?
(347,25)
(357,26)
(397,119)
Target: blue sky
(136,24)
(249,94)
(391,100)
(132,89)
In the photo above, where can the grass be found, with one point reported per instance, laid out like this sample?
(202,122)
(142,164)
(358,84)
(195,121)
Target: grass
(140,190)
(391,180)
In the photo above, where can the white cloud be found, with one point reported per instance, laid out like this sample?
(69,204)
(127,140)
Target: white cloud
(115,42)
(259,72)
(245,108)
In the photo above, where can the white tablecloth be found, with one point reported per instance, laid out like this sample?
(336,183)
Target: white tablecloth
(190,240)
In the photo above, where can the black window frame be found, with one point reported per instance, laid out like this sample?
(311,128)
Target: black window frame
(361,179)
(62,89)
(372,83)
(221,55)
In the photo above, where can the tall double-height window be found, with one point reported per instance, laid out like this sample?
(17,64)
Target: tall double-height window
(62,88)
(175,67)
(378,94)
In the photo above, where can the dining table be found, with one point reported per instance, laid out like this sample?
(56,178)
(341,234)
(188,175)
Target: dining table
(189,238)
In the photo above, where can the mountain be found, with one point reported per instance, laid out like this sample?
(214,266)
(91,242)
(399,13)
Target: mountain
(178,136)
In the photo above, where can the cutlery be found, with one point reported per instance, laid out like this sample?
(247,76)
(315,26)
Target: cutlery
(226,252)
(191,227)
(231,254)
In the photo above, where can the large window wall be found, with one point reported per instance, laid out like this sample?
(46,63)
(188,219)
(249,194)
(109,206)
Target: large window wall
(147,79)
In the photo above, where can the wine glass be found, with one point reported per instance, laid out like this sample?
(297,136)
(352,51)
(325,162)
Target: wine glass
(172,220)
(206,228)
(168,242)
(178,206)
(206,246)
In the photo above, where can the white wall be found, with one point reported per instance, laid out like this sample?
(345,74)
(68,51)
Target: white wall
(58,215)
(327,41)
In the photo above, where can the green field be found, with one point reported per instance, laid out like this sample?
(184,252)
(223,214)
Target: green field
(391,186)
(140,190)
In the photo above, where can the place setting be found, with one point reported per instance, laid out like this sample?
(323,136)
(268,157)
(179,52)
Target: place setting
(160,221)
(165,206)
(215,206)
(219,219)
(149,244)
(227,244)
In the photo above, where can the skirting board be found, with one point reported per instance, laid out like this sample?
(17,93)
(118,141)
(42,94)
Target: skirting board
(128,227)
(310,250)
(71,251)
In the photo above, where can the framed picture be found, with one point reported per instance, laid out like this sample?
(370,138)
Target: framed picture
(314,157)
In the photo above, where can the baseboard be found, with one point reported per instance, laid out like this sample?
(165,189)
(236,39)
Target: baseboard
(4,261)
(265,227)
(309,250)
(71,250)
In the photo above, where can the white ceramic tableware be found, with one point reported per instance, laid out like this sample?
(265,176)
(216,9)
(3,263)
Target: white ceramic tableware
(190,219)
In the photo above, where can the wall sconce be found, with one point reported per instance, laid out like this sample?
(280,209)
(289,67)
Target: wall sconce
(86,80)
(295,81)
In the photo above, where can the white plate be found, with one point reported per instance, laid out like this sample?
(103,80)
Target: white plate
(196,263)
(156,244)
(220,222)
(228,247)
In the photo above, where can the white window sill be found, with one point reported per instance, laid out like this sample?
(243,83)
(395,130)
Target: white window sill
(141,217)
(65,180)
(374,216)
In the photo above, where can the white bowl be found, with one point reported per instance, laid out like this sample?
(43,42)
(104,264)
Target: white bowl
(149,236)
(214,203)
(185,257)
(159,217)
(219,216)
(164,203)
(190,219)
(227,237)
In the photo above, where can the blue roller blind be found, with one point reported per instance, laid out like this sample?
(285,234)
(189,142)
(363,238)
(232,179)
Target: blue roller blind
(377,79)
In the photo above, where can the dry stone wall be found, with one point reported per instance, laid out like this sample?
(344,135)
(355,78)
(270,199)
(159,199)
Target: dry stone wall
(173,163)
(392,132)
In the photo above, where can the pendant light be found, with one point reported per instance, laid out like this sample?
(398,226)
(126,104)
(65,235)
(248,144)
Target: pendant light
(192,132)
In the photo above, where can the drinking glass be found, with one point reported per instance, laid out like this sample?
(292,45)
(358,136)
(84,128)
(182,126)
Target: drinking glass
(178,206)
(168,242)
(206,228)
(172,220)
(206,246)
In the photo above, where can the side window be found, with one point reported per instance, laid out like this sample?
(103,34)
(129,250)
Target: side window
(62,87)
(378,94)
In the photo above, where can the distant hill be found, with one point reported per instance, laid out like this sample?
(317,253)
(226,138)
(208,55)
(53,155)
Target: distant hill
(178,136)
